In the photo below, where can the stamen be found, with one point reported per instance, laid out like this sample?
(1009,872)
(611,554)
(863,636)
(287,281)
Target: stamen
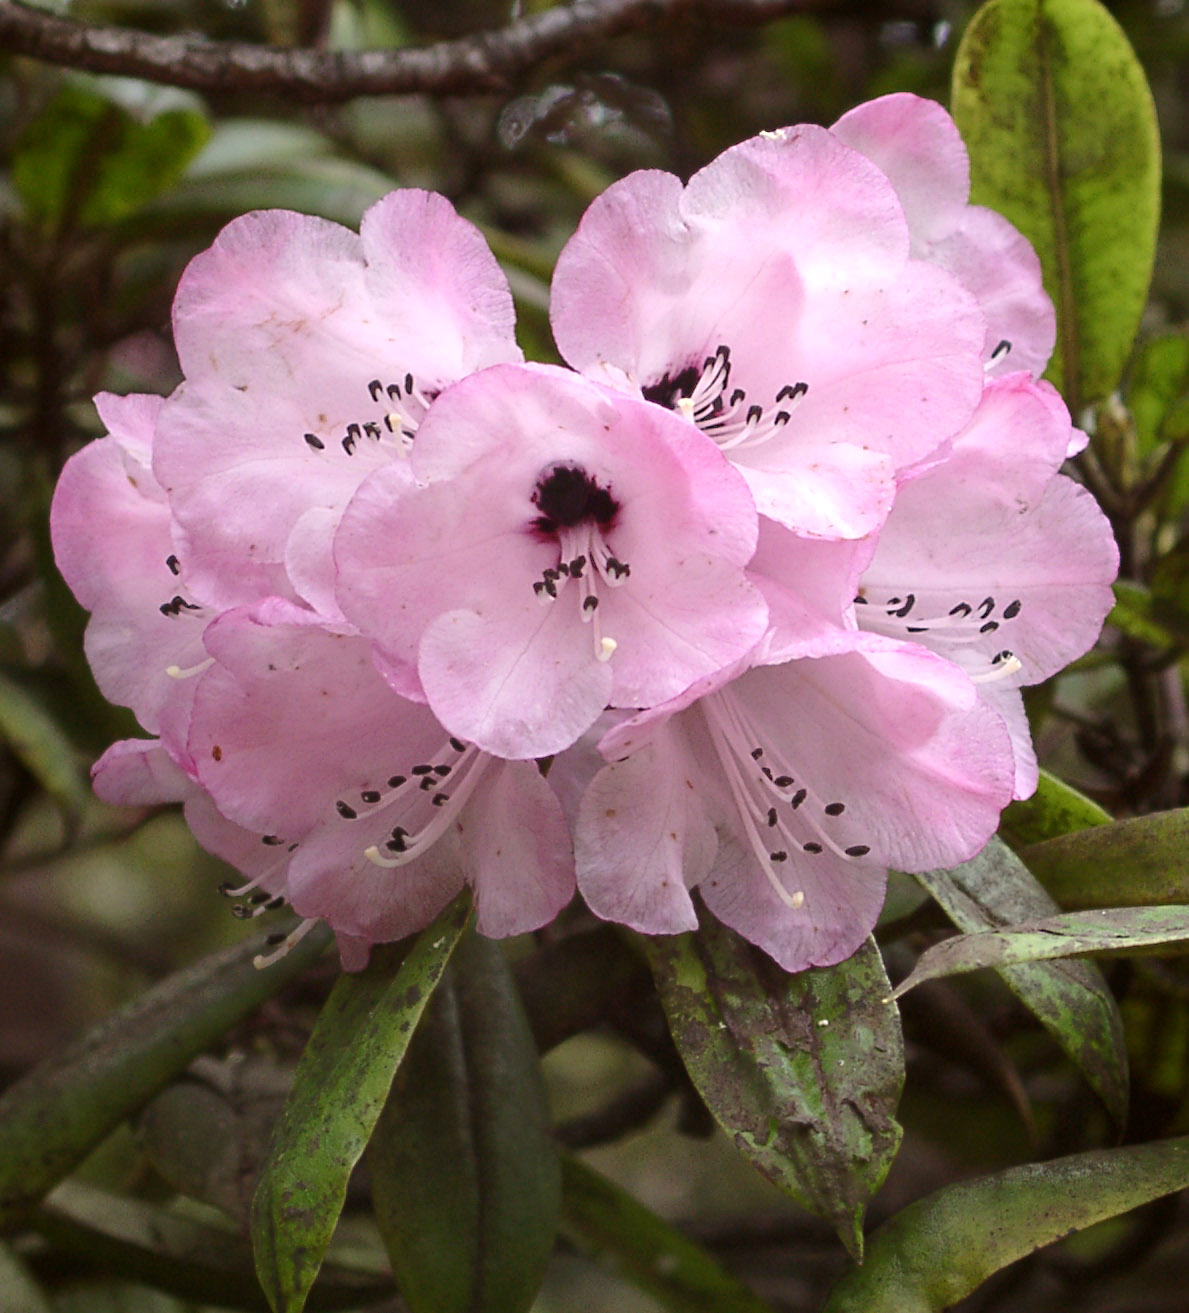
(176,605)
(964,624)
(733,735)
(1002,665)
(579,512)
(407,842)
(176,672)
(738,791)
(729,419)
(285,943)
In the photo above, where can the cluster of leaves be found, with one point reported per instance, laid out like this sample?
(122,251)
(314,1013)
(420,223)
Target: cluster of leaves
(303,1141)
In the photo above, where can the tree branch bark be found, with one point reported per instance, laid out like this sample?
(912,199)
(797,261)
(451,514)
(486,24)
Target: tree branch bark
(483,62)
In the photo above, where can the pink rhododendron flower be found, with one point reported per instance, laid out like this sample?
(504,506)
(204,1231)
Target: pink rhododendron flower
(918,146)
(784,795)
(310,354)
(294,734)
(294,759)
(790,542)
(776,303)
(994,559)
(552,548)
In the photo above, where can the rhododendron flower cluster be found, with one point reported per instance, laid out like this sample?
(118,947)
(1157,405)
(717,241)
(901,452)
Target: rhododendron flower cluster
(739,602)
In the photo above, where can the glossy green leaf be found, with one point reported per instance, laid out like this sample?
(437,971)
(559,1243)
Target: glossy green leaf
(342,1081)
(605,1222)
(1072,934)
(1063,140)
(87,159)
(941,1248)
(54,1116)
(1055,808)
(1140,861)
(194,1260)
(41,744)
(1069,998)
(465,1175)
(802,1071)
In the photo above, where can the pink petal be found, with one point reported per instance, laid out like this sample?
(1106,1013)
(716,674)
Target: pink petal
(990,552)
(839,913)
(139,773)
(789,254)
(919,148)
(643,838)
(293,333)
(516,850)
(996,262)
(111,533)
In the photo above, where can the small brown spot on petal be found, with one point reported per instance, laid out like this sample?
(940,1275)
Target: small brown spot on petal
(217,753)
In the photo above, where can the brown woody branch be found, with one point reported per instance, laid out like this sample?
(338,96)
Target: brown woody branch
(484,61)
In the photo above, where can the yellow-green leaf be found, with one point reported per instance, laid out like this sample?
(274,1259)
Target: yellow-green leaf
(936,1251)
(1063,140)
(1143,860)
(342,1081)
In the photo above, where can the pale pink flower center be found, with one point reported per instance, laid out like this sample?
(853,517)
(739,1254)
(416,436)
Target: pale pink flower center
(578,513)
(724,413)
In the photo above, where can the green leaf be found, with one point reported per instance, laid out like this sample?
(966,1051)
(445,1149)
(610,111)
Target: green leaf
(150,157)
(1141,861)
(603,1221)
(1137,615)
(1069,998)
(465,1175)
(251,164)
(54,1116)
(802,1071)
(1072,934)
(41,744)
(939,1249)
(1055,808)
(1063,140)
(342,1081)
(1158,379)
(177,1254)
(87,159)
